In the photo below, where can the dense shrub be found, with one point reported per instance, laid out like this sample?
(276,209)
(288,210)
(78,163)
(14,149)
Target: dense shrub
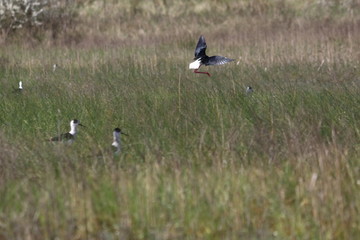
(21,13)
(32,15)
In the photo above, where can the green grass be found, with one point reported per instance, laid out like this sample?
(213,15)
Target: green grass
(203,160)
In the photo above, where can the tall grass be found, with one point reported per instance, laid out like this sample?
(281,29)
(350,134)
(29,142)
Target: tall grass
(203,159)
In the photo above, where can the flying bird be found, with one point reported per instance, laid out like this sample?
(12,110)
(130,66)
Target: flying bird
(68,137)
(202,59)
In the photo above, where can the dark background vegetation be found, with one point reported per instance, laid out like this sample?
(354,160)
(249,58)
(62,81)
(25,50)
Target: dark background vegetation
(203,159)
(92,23)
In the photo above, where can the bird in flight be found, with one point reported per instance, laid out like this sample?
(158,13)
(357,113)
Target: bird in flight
(202,59)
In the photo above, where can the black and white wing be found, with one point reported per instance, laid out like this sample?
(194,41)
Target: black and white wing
(62,137)
(200,48)
(218,60)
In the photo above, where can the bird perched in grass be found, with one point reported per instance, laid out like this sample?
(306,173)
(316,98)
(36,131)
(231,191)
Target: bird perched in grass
(249,90)
(68,137)
(116,145)
(19,89)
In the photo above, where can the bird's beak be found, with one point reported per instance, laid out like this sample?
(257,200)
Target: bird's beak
(81,125)
(124,134)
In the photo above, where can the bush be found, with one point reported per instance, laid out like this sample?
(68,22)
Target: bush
(35,15)
(16,14)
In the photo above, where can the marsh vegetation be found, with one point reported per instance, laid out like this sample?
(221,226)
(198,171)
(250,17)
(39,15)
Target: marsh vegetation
(203,159)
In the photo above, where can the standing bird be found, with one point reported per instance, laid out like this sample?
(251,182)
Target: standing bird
(19,89)
(117,140)
(202,59)
(68,137)
(249,90)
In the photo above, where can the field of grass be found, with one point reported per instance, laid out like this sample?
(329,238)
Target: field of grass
(203,159)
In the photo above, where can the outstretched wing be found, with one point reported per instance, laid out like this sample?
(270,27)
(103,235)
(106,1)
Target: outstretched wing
(218,60)
(200,48)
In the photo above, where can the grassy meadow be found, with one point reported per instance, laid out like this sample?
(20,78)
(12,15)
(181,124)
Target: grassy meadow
(203,159)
